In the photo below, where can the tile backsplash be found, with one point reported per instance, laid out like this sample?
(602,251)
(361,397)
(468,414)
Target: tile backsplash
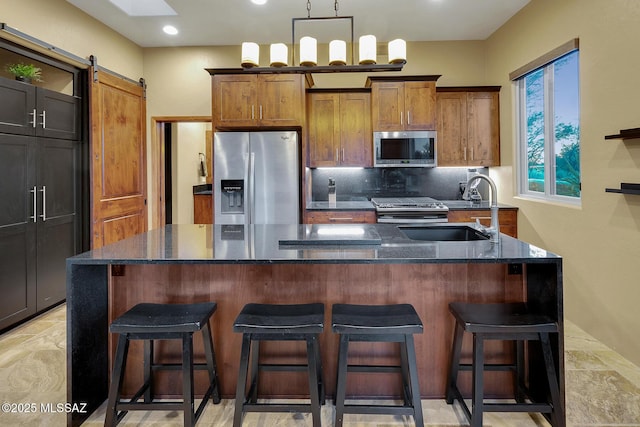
(365,183)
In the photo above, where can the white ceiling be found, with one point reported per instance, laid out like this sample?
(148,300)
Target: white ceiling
(230,22)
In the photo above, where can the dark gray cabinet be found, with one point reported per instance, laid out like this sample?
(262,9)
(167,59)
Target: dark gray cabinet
(38,214)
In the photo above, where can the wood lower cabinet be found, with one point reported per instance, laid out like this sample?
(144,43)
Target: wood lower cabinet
(468,126)
(255,100)
(38,191)
(507,218)
(202,209)
(339,217)
(406,103)
(339,129)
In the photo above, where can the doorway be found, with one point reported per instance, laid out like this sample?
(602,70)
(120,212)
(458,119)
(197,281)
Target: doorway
(175,166)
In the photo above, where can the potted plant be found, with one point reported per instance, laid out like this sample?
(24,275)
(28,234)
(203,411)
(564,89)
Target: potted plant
(25,72)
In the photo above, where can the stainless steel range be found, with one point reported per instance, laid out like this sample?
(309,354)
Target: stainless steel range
(414,210)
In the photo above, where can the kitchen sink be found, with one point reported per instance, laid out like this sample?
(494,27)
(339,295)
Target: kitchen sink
(456,233)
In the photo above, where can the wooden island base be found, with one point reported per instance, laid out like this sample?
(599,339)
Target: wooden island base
(429,287)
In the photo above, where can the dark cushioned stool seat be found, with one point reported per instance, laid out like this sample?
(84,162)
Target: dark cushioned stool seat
(151,322)
(378,323)
(510,322)
(279,322)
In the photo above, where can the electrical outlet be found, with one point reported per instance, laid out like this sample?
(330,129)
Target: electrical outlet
(515,269)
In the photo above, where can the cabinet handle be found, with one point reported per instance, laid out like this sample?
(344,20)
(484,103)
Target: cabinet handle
(401,114)
(34,191)
(472,154)
(408,117)
(343,154)
(465,154)
(341,219)
(44,119)
(337,155)
(44,203)
(480,217)
(33,118)
(260,111)
(253,116)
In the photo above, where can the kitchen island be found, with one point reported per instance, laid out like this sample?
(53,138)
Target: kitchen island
(234,265)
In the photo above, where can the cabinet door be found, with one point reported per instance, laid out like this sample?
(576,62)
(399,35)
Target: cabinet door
(17,228)
(451,128)
(420,105)
(323,129)
(17,108)
(57,115)
(483,129)
(387,106)
(281,99)
(56,217)
(356,136)
(234,100)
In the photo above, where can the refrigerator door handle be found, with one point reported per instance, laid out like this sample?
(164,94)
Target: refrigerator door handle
(252,187)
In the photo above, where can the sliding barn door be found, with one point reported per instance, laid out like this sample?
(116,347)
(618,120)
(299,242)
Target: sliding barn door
(118,159)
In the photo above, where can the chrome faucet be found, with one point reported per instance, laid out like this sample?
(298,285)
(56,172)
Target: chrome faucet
(494,228)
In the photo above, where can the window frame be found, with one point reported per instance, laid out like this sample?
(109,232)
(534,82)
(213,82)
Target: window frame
(522,169)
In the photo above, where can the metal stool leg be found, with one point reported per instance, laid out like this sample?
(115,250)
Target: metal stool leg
(255,371)
(212,368)
(148,368)
(312,369)
(454,366)
(477,392)
(413,380)
(341,382)
(187,379)
(557,414)
(242,379)
(117,376)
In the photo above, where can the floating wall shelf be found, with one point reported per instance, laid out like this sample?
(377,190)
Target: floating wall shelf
(625,134)
(625,188)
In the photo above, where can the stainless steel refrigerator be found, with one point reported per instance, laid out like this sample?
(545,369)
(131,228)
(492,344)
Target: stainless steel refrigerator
(256,177)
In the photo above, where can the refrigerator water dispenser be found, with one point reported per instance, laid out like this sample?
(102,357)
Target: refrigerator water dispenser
(232,196)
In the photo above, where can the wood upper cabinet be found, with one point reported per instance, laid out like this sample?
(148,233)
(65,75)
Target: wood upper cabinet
(254,100)
(403,105)
(468,126)
(339,129)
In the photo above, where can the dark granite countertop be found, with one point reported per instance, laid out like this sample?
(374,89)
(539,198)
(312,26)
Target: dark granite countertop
(202,189)
(259,244)
(468,205)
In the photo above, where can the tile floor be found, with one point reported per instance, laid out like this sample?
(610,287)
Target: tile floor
(603,389)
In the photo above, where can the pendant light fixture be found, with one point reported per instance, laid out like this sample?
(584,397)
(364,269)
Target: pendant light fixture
(341,53)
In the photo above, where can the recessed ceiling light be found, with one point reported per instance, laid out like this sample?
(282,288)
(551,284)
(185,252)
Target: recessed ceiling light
(258,1)
(170,29)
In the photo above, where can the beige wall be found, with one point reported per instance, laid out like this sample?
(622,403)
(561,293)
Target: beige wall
(600,241)
(60,24)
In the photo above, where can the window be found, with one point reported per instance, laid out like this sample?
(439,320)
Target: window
(548,104)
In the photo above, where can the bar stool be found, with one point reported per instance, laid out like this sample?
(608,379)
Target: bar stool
(279,322)
(150,322)
(510,322)
(378,323)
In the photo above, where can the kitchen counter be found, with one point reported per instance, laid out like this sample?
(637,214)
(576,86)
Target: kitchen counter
(234,265)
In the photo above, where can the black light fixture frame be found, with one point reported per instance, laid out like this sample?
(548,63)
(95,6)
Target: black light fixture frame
(295,21)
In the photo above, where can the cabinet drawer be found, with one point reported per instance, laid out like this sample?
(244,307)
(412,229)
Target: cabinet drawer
(339,217)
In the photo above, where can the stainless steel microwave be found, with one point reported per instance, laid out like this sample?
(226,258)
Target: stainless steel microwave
(404,149)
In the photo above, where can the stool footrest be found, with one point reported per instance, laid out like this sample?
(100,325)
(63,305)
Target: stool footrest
(490,367)
(378,409)
(281,367)
(277,407)
(517,407)
(177,366)
(374,368)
